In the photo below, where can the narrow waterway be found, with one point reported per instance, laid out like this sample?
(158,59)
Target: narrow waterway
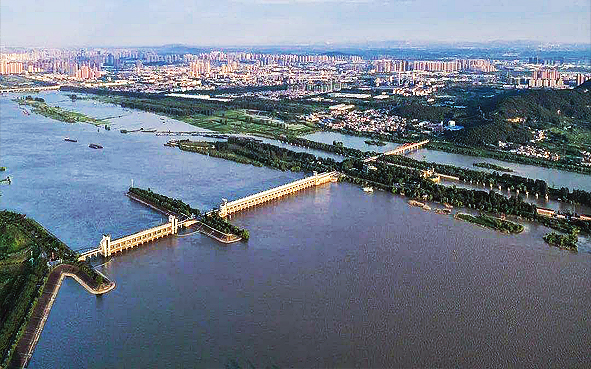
(554,177)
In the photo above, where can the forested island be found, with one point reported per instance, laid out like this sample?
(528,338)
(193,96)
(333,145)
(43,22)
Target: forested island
(492,166)
(487,221)
(375,142)
(563,241)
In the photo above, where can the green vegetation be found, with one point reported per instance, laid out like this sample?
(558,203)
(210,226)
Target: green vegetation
(13,81)
(213,220)
(168,204)
(509,115)
(563,164)
(207,148)
(568,241)
(501,225)
(238,121)
(39,106)
(375,142)
(505,180)
(492,166)
(263,118)
(178,207)
(25,250)
(250,151)
(406,177)
(335,148)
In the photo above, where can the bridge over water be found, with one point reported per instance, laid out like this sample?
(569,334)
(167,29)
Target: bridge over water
(400,150)
(228,208)
(109,247)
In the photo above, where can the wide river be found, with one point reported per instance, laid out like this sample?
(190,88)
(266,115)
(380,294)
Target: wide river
(331,277)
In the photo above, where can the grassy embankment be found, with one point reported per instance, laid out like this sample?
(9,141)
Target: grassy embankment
(487,221)
(25,249)
(39,106)
(214,116)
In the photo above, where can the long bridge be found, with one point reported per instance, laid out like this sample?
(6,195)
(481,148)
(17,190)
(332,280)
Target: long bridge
(401,150)
(228,208)
(108,246)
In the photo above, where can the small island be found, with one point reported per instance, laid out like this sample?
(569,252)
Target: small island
(493,167)
(375,142)
(39,106)
(222,229)
(563,241)
(487,221)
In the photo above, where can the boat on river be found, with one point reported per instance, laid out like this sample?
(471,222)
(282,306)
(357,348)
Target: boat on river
(70,139)
(95,146)
(368,189)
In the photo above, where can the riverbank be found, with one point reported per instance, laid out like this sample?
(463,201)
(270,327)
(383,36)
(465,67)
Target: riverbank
(27,253)
(487,221)
(39,106)
(508,157)
(453,148)
(36,321)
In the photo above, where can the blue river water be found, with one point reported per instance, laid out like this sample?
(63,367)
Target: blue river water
(331,277)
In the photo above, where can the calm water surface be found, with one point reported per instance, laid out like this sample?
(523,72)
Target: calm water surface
(554,177)
(332,277)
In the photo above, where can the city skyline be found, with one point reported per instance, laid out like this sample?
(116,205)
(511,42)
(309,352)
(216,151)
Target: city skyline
(290,22)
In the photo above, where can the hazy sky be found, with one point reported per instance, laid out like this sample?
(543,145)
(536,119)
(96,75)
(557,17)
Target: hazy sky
(239,22)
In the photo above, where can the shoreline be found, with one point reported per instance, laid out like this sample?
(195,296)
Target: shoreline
(480,219)
(40,312)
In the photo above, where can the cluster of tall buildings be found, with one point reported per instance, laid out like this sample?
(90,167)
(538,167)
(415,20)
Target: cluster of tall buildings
(200,68)
(272,59)
(11,67)
(86,72)
(391,66)
(546,78)
(582,78)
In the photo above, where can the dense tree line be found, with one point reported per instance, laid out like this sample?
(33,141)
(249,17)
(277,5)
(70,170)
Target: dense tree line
(492,222)
(511,181)
(410,182)
(337,149)
(176,206)
(275,157)
(169,204)
(213,220)
(564,241)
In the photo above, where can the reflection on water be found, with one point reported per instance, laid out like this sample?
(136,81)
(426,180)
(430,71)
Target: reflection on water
(331,277)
